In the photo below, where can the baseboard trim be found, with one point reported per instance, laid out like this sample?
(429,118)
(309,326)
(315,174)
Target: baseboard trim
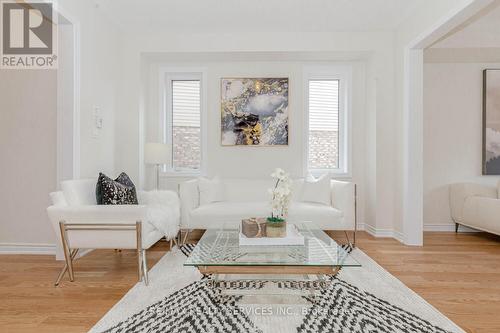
(447,228)
(27,248)
(383,233)
(35,249)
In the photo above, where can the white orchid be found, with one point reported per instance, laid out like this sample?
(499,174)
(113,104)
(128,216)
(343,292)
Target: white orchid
(279,174)
(280,194)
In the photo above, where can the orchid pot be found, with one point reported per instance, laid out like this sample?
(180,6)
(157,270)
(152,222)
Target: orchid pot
(276,227)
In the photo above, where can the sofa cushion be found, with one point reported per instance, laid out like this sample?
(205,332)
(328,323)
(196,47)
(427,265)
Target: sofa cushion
(317,190)
(211,190)
(79,192)
(219,214)
(323,216)
(498,189)
(482,213)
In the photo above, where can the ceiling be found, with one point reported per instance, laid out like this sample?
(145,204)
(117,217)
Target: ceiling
(481,31)
(257,15)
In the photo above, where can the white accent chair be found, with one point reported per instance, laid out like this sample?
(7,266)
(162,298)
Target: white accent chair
(476,206)
(249,198)
(80,223)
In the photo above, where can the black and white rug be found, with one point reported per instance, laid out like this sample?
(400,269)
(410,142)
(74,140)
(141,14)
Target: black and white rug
(359,299)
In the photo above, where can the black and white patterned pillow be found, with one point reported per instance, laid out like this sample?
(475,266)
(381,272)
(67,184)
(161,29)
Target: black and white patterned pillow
(120,191)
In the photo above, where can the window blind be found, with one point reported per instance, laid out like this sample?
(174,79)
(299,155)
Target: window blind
(186,103)
(186,121)
(323,110)
(324,105)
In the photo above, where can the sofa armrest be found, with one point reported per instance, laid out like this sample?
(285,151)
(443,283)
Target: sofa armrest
(58,199)
(100,214)
(96,214)
(461,191)
(190,199)
(344,199)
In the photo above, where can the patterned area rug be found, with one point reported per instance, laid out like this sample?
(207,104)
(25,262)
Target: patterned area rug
(359,299)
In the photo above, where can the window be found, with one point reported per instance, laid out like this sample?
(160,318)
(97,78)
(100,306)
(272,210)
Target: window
(183,130)
(326,118)
(323,124)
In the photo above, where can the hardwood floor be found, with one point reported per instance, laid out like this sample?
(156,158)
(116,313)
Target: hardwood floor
(459,274)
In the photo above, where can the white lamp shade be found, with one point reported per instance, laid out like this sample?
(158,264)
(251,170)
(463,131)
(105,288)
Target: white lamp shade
(157,153)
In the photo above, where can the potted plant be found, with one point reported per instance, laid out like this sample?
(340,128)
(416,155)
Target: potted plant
(280,201)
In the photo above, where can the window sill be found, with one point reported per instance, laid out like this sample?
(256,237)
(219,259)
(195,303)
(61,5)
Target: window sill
(336,174)
(180,174)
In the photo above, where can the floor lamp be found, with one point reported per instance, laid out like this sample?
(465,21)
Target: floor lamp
(157,154)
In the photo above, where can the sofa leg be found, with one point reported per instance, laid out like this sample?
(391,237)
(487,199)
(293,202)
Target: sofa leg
(138,234)
(145,268)
(456,227)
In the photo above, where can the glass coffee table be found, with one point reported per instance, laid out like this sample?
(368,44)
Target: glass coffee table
(219,255)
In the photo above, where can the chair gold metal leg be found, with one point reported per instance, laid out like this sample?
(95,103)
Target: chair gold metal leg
(185,237)
(67,254)
(170,243)
(145,267)
(138,228)
(355,215)
(65,268)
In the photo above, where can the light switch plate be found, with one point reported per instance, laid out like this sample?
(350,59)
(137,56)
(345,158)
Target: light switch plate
(97,121)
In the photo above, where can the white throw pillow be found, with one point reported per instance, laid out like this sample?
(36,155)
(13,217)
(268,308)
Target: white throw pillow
(211,190)
(317,190)
(297,185)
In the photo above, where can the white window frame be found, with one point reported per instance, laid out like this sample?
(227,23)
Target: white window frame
(167,75)
(343,73)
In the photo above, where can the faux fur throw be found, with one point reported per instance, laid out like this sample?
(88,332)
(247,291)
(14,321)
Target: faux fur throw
(163,210)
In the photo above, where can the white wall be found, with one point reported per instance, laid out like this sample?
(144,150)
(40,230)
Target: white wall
(453,88)
(376,49)
(452,135)
(259,162)
(428,23)
(114,77)
(28,108)
(28,111)
(98,58)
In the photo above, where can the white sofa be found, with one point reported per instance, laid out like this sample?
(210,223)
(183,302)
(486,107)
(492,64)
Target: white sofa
(476,206)
(86,225)
(249,198)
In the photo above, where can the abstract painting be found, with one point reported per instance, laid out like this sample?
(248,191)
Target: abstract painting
(254,111)
(491,122)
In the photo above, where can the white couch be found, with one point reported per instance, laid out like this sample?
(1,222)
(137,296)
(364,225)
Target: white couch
(249,198)
(107,226)
(476,206)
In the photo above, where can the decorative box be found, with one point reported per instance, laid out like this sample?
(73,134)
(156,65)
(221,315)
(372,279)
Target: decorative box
(254,227)
(293,238)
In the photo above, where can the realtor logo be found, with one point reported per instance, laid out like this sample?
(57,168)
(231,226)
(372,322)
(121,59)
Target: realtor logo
(28,35)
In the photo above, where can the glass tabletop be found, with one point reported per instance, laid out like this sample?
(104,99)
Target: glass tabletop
(220,247)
